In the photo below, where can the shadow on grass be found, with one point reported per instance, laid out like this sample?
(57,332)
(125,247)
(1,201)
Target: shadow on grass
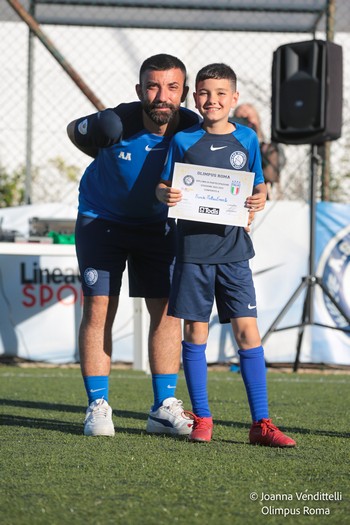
(131,415)
(41,405)
(45,424)
(58,425)
(294,430)
(76,428)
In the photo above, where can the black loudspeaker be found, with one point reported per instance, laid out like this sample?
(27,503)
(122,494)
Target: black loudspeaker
(307,90)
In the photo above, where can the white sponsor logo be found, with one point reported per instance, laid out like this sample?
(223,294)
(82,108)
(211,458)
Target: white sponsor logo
(210,211)
(170,386)
(238,159)
(82,127)
(251,307)
(90,276)
(93,390)
(213,148)
(149,148)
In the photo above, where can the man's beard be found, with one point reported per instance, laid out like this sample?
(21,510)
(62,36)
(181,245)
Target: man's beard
(161,117)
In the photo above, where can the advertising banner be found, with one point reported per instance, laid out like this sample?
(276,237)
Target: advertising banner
(41,305)
(41,300)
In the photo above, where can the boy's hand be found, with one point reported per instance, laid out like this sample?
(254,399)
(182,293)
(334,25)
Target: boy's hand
(250,220)
(167,195)
(256,202)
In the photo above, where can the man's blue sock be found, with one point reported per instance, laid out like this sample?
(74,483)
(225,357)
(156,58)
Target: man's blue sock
(196,371)
(96,387)
(253,371)
(164,386)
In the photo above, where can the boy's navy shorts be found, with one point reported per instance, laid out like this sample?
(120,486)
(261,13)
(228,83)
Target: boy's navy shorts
(196,285)
(105,247)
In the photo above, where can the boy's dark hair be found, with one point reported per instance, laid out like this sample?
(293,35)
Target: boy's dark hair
(162,62)
(218,71)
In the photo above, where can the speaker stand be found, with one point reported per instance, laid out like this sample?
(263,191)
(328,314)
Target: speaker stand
(310,281)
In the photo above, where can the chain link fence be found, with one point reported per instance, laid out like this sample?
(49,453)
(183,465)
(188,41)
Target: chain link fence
(38,98)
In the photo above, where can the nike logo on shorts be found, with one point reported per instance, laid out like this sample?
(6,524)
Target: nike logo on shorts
(215,148)
(251,307)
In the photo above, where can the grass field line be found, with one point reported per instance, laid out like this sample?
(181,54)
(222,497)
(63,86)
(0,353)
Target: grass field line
(286,379)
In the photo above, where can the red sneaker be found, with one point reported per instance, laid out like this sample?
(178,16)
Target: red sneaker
(202,429)
(263,432)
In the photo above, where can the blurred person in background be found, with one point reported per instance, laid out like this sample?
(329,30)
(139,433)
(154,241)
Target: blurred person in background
(272,154)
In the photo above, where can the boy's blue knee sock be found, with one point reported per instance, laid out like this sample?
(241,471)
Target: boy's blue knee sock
(96,387)
(195,367)
(164,386)
(254,376)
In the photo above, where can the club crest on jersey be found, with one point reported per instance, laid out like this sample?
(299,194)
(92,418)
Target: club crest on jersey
(90,276)
(235,187)
(124,155)
(334,267)
(238,159)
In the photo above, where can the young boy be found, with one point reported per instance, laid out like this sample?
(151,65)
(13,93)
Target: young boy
(213,260)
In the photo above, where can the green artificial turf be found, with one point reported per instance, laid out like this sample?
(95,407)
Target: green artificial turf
(51,474)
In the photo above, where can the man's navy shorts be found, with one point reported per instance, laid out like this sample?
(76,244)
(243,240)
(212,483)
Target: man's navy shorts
(195,286)
(105,247)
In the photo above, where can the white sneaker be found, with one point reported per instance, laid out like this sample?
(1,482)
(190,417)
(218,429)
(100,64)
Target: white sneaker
(169,418)
(98,419)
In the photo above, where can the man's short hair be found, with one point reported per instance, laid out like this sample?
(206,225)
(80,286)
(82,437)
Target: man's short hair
(162,62)
(217,71)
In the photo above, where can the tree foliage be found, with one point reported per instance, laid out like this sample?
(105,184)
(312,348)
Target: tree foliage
(48,182)
(12,187)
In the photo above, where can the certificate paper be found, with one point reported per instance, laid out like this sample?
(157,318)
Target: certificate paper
(212,194)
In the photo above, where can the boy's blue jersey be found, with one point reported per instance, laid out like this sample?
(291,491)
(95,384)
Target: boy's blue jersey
(201,242)
(119,185)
